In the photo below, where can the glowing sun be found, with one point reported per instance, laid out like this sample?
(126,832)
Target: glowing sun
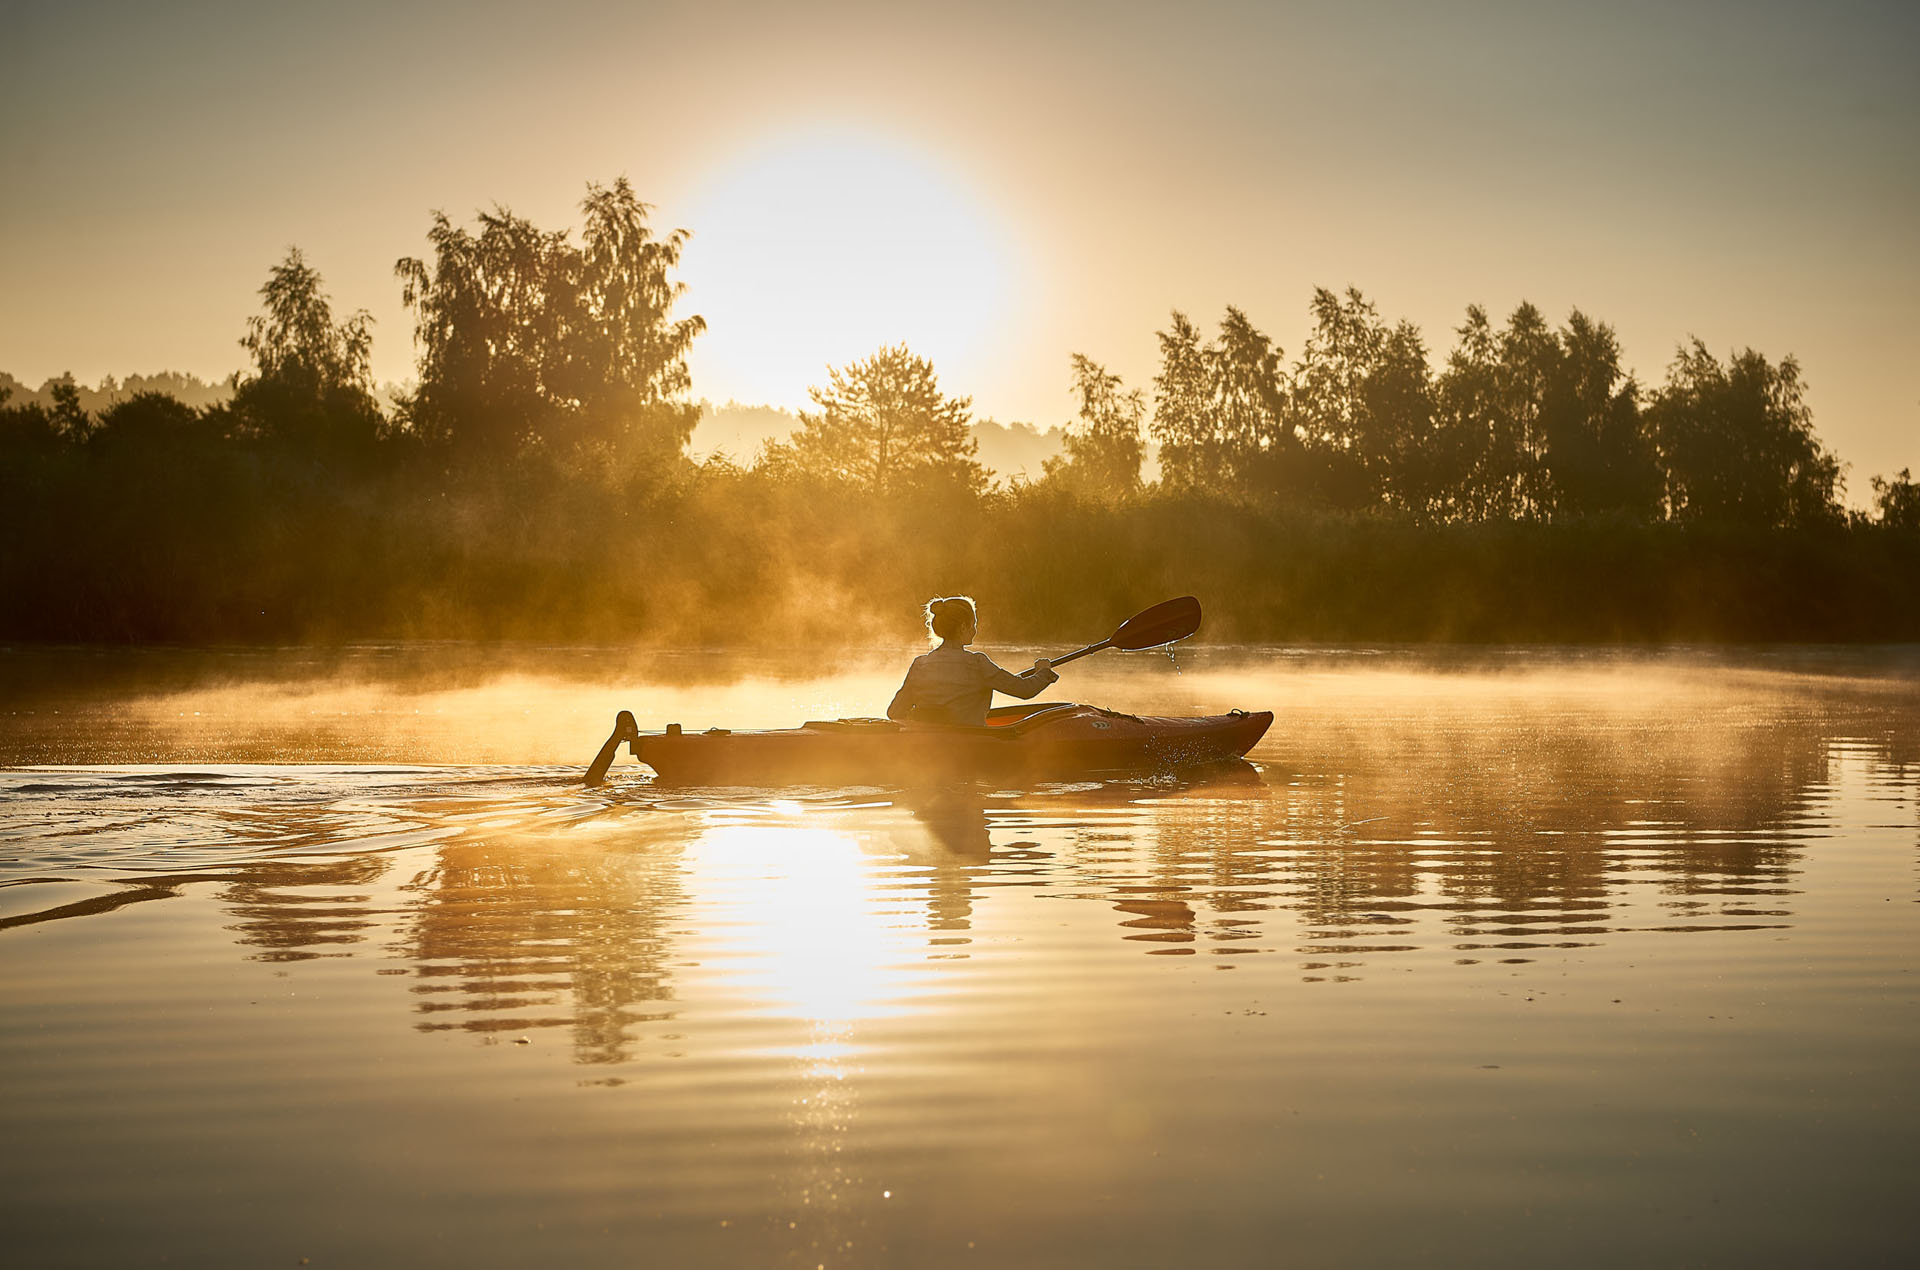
(822,248)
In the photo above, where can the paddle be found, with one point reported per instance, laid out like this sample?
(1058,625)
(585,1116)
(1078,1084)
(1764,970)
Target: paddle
(1150,628)
(625,730)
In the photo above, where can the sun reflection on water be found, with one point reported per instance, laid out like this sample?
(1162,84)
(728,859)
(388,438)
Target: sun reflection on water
(802,926)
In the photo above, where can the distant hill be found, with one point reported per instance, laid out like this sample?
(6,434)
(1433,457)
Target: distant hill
(739,431)
(190,389)
(1015,451)
(1011,451)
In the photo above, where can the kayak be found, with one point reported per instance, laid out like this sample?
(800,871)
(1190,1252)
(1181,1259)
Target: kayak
(1048,740)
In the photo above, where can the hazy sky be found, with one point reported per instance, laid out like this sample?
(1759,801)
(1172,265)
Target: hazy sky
(998,185)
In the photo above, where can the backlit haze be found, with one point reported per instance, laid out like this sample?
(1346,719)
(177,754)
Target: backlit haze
(996,186)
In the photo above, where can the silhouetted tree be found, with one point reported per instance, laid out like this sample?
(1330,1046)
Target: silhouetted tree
(626,364)
(1529,359)
(1535,424)
(296,342)
(1220,409)
(70,419)
(312,380)
(1249,401)
(154,427)
(1104,450)
(882,425)
(529,342)
(1737,442)
(1361,400)
(1898,501)
(1192,455)
(29,433)
(486,326)
(1598,457)
(1327,401)
(175,457)
(1397,434)
(1473,455)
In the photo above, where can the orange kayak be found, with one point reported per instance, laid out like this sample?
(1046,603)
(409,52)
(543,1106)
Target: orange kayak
(1050,740)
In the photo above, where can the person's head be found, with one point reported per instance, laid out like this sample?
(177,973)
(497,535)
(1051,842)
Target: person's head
(952,618)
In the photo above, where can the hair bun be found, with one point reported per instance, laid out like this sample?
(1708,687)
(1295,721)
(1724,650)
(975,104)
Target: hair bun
(947,615)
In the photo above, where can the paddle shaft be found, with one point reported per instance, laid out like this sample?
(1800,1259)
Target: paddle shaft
(1082,652)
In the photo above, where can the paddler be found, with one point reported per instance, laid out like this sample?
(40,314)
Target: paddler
(953,684)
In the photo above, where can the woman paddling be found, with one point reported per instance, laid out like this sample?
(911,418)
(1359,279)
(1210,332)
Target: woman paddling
(952,684)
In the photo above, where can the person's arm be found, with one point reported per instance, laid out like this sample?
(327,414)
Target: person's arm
(900,709)
(1026,685)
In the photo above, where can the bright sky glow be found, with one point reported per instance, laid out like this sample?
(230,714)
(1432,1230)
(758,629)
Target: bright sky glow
(818,249)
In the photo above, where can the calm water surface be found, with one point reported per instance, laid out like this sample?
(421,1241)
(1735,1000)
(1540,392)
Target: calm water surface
(1495,958)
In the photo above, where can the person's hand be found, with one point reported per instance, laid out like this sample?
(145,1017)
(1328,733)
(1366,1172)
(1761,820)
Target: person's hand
(1044,670)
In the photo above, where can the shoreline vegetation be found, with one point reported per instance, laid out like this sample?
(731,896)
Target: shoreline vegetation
(535,483)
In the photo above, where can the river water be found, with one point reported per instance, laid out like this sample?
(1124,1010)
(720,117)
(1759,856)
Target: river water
(1499,957)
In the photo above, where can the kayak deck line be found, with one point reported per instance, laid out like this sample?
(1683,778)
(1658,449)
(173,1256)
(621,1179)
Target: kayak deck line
(1004,723)
(1053,739)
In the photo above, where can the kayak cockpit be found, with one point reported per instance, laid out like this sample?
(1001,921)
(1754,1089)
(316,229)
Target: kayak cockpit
(1013,716)
(999,721)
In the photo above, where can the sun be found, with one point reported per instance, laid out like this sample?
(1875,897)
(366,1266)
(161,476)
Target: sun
(820,248)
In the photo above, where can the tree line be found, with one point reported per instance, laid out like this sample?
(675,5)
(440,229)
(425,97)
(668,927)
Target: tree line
(534,480)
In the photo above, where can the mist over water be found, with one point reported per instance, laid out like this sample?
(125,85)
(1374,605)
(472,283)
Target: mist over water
(1493,956)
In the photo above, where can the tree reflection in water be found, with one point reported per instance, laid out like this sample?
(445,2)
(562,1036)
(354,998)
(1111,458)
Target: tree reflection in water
(508,935)
(299,910)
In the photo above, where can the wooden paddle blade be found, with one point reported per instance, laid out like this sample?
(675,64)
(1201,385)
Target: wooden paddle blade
(1161,624)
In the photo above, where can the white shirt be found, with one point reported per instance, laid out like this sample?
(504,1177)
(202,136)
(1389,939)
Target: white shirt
(955,685)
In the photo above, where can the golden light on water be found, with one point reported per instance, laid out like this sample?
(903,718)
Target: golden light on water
(807,934)
(1594,928)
